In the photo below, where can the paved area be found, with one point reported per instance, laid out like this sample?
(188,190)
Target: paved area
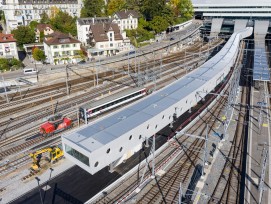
(259,138)
(207,183)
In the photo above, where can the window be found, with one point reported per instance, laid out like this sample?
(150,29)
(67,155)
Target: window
(55,46)
(110,35)
(120,149)
(67,45)
(74,45)
(111,44)
(62,46)
(131,136)
(78,155)
(107,151)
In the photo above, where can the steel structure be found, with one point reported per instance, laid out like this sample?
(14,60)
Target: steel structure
(102,142)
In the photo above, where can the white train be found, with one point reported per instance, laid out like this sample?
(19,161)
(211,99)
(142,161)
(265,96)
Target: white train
(95,108)
(107,141)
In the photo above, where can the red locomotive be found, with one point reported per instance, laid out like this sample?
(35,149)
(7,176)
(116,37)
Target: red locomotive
(55,124)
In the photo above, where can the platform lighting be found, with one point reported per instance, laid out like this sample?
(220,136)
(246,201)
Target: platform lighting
(38,180)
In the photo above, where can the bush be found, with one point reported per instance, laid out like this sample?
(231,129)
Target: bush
(8,64)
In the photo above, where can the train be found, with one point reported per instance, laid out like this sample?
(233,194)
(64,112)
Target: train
(92,109)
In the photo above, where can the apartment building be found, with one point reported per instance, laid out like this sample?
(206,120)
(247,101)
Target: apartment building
(22,12)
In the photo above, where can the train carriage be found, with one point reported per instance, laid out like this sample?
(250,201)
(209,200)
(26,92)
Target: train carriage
(92,109)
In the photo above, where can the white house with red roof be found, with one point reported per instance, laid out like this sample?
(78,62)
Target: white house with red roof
(8,47)
(61,48)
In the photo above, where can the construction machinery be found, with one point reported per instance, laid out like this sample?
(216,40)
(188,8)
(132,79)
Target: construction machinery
(55,124)
(55,153)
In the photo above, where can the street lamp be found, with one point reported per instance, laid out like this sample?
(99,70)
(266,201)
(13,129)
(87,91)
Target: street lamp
(38,180)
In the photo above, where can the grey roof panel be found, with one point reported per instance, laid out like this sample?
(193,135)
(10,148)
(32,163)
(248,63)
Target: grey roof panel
(103,137)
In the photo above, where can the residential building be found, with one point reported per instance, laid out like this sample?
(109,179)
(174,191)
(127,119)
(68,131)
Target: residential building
(8,47)
(61,48)
(105,39)
(46,29)
(22,12)
(126,20)
(83,25)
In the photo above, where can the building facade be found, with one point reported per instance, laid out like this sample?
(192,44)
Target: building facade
(61,48)
(232,8)
(126,20)
(83,25)
(46,29)
(22,12)
(105,39)
(8,47)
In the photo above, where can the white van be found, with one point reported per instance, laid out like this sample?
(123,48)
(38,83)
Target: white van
(29,70)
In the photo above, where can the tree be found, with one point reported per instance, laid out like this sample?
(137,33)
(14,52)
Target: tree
(159,24)
(115,5)
(64,23)
(149,9)
(174,4)
(186,9)
(38,54)
(44,18)
(92,8)
(133,5)
(54,11)
(33,25)
(24,35)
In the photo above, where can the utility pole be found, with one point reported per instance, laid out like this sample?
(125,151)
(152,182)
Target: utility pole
(261,183)
(4,83)
(67,76)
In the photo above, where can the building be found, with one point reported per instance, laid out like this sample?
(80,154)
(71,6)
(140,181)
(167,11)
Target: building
(46,29)
(61,48)
(232,8)
(8,47)
(105,39)
(127,19)
(83,25)
(221,16)
(22,12)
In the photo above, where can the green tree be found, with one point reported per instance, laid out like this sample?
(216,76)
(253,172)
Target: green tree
(159,24)
(24,35)
(186,9)
(44,18)
(133,5)
(64,23)
(4,65)
(38,55)
(115,5)
(33,25)
(15,63)
(149,8)
(92,8)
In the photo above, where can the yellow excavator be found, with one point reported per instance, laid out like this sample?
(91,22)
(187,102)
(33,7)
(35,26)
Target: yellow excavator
(55,153)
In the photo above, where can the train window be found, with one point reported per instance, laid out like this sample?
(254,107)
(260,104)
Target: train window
(96,164)
(148,126)
(131,136)
(169,117)
(120,149)
(155,126)
(140,136)
(186,101)
(163,117)
(108,151)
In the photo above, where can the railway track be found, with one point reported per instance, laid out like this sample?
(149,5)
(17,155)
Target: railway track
(39,139)
(183,168)
(32,114)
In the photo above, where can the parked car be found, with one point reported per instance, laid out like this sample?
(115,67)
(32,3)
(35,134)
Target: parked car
(171,39)
(82,62)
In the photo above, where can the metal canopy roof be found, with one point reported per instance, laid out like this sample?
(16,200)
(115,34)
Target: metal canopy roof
(151,114)
(260,65)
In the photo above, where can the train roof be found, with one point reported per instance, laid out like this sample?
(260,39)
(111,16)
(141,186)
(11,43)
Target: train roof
(111,97)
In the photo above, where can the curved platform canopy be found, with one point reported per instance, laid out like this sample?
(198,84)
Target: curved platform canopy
(100,143)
